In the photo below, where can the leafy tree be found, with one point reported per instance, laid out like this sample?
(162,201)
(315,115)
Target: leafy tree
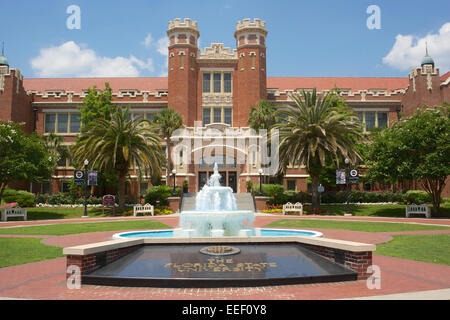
(416,148)
(118,145)
(22,156)
(167,121)
(96,104)
(318,129)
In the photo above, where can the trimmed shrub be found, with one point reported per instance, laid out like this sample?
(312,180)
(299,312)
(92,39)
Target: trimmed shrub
(417,197)
(23,198)
(161,194)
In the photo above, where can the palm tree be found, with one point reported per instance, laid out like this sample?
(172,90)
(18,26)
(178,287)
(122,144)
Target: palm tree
(264,116)
(118,145)
(167,121)
(318,128)
(53,144)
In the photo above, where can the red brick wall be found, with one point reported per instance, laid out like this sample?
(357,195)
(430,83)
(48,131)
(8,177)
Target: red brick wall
(422,96)
(182,84)
(250,84)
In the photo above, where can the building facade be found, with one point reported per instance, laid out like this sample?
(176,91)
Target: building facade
(213,90)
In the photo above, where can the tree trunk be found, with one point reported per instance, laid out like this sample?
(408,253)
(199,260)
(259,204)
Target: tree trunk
(121,193)
(315,181)
(168,162)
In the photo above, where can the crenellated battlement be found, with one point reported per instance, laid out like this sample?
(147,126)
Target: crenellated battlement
(186,24)
(246,23)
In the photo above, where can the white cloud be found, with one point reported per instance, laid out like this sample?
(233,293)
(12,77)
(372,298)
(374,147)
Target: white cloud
(409,50)
(147,41)
(71,60)
(162,46)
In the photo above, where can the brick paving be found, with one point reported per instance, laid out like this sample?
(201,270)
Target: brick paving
(47,279)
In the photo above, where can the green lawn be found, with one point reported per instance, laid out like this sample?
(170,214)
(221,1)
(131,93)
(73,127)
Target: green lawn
(47,213)
(73,228)
(15,251)
(434,248)
(382,210)
(352,225)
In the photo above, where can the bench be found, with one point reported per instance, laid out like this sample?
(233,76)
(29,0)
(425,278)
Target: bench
(418,209)
(297,207)
(146,208)
(13,212)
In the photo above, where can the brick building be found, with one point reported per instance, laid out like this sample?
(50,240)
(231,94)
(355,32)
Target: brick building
(213,89)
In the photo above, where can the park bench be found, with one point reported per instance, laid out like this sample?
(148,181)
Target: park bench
(290,207)
(418,209)
(13,212)
(146,208)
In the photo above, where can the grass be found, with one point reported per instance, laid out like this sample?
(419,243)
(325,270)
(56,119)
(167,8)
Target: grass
(48,213)
(385,210)
(352,225)
(434,248)
(16,251)
(73,228)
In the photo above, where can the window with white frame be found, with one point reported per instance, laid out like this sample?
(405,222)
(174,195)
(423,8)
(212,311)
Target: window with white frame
(217,82)
(62,122)
(217,115)
(373,119)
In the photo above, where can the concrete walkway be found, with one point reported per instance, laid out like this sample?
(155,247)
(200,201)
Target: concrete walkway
(400,278)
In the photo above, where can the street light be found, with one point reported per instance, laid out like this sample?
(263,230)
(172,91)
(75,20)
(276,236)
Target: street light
(174,172)
(347,177)
(260,171)
(86,162)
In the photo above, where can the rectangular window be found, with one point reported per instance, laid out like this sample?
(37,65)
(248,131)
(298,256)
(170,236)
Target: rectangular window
(50,122)
(227,112)
(138,116)
(66,186)
(206,116)
(182,60)
(143,188)
(63,121)
(291,185)
(227,82)
(361,116)
(206,82)
(61,162)
(75,122)
(370,120)
(217,82)
(217,115)
(149,116)
(382,119)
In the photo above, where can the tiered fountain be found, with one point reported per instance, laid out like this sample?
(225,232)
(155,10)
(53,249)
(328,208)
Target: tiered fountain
(215,213)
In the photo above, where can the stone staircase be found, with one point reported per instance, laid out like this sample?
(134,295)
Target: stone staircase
(244,201)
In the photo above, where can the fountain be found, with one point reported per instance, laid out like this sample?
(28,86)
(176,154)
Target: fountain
(215,245)
(215,213)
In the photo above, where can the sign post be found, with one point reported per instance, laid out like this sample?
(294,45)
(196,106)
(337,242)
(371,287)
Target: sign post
(109,201)
(78,177)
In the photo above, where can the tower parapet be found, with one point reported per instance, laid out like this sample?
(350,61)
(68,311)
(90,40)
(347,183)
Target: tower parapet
(250,33)
(183,33)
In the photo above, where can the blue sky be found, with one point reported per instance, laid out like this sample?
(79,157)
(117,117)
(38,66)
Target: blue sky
(306,38)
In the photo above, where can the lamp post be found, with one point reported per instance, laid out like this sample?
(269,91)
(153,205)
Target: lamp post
(347,177)
(260,171)
(86,162)
(174,172)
